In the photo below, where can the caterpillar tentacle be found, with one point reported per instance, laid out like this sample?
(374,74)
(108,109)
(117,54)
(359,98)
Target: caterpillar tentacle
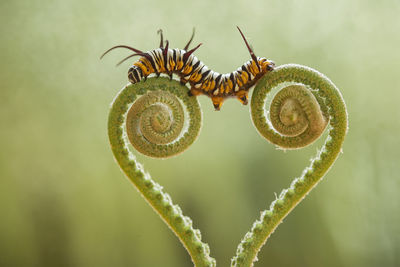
(202,80)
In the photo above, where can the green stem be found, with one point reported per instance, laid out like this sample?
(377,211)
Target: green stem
(152,192)
(327,94)
(155,126)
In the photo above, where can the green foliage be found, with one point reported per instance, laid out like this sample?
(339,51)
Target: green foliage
(146,108)
(159,200)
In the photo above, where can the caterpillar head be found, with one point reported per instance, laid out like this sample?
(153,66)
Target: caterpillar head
(266,64)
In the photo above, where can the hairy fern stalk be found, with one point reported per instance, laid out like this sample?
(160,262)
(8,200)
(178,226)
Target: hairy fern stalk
(160,120)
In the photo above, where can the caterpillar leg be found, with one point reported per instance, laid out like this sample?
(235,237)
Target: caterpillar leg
(183,81)
(194,92)
(243,97)
(217,102)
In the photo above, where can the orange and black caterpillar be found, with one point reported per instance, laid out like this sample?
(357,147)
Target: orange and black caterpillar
(202,80)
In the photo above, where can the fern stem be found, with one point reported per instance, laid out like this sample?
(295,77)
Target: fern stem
(332,104)
(151,191)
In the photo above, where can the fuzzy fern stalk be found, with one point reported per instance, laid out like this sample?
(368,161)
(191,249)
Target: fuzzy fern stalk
(155,126)
(298,114)
(160,120)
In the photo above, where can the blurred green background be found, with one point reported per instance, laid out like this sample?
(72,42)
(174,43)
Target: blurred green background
(64,200)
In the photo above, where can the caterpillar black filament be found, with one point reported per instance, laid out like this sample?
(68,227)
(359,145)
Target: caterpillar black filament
(190,70)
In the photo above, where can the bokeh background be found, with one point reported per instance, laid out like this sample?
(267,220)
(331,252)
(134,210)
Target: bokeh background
(64,200)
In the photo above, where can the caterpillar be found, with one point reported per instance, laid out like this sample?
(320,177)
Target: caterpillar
(191,70)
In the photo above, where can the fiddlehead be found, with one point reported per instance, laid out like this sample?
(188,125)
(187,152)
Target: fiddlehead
(155,125)
(298,114)
(295,114)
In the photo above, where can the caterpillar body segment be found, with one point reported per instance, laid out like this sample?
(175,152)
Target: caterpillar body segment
(202,80)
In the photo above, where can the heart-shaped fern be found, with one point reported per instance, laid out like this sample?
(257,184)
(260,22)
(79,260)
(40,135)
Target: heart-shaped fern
(161,120)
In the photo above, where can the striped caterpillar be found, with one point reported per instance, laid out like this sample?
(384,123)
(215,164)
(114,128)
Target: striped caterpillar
(190,70)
